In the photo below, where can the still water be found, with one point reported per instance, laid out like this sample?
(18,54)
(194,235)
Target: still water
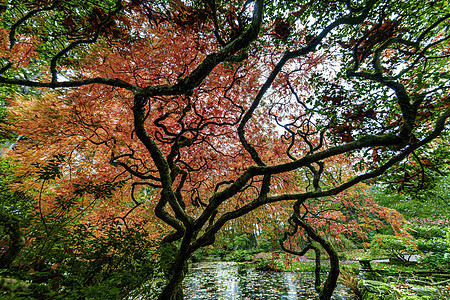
(229,281)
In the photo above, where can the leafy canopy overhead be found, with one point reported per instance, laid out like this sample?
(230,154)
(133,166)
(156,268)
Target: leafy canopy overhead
(209,110)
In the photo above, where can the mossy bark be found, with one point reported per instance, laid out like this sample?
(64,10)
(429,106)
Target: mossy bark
(175,268)
(330,284)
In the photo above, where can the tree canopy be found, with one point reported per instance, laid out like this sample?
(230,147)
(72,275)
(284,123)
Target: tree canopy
(200,112)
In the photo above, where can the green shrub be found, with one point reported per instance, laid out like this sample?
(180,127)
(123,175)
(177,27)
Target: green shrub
(434,240)
(86,263)
(395,246)
(432,245)
(217,252)
(268,266)
(239,256)
(241,242)
(439,261)
(427,232)
(448,240)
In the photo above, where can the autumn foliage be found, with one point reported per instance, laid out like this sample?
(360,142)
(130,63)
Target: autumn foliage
(184,116)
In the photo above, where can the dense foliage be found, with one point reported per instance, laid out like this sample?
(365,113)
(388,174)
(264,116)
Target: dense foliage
(429,241)
(176,118)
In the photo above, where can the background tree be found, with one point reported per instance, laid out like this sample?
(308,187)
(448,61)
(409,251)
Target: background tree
(420,181)
(184,98)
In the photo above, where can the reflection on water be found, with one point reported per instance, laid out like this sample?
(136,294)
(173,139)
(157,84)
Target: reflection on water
(229,281)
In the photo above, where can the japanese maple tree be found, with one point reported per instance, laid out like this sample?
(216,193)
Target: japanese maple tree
(212,109)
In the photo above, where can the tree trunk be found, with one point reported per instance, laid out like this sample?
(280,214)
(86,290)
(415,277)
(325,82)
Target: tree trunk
(331,282)
(173,289)
(317,268)
(333,275)
(175,268)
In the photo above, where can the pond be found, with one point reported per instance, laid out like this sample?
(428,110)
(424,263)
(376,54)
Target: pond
(229,281)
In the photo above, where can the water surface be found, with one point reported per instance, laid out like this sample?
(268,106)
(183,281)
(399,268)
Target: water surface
(229,281)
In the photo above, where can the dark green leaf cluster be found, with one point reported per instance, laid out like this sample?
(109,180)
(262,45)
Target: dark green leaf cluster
(51,169)
(60,27)
(13,202)
(100,190)
(428,232)
(105,261)
(429,241)
(416,198)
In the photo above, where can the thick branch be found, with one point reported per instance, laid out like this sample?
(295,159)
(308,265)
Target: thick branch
(300,197)
(31,13)
(212,60)
(74,44)
(76,83)
(348,19)
(184,85)
(331,282)
(161,164)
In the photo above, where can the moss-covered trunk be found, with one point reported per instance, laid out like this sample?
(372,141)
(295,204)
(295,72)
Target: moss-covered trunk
(173,289)
(330,284)
(175,268)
